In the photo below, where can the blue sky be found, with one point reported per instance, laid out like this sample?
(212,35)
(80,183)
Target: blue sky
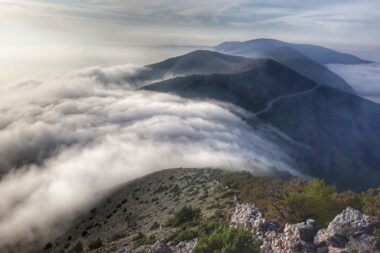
(104,32)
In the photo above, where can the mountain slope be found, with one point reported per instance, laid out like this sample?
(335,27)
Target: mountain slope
(142,206)
(251,90)
(339,131)
(342,131)
(316,53)
(137,214)
(196,62)
(288,56)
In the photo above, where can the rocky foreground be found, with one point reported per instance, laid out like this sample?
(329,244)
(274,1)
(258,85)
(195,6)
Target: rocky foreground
(138,217)
(350,231)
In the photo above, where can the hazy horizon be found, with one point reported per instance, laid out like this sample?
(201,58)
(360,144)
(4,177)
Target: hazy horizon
(41,38)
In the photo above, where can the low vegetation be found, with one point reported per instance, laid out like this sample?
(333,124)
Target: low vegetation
(142,239)
(226,239)
(184,215)
(95,244)
(295,199)
(147,210)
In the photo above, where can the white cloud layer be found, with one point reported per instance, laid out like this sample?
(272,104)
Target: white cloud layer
(364,78)
(88,133)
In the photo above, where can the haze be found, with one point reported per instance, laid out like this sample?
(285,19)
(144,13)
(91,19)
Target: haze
(42,38)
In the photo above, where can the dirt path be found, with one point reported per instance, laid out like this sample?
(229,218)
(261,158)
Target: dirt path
(270,103)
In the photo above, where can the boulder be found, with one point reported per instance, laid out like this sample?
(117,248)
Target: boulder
(123,251)
(185,246)
(295,238)
(348,232)
(251,218)
(326,238)
(332,249)
(304,231)
(352,222)
(364,243)
(160,247)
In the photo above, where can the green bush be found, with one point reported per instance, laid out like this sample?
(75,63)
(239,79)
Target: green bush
(95,244)
(316,201)
(139,236)
(184,215)
(78,248)
(182,235)
(226,239)
(371,202)
(289,200)
(155,225)
(267,193)
(141,239)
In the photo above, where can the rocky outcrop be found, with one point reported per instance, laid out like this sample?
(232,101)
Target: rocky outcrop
(160,247)
(295,238)
(251,218)
(350,231)
(352,222)
(185,247)
(182,247)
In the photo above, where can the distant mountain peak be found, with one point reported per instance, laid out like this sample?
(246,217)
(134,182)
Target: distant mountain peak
(316,53)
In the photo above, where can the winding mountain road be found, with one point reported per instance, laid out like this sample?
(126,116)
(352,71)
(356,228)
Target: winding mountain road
(271,102)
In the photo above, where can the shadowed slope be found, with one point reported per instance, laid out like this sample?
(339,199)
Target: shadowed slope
(339,131)
(321,55)
(251,90)
(202,62)
(291,56)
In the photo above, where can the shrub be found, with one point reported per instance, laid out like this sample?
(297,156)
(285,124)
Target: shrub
(48,246)
(349,198)
(226,239)
(141,239)
(155,225)
(185,214)
(371,202)
(95,244)
(267,193)
(316,201)
(176,190)
(78,248)
(119,235)
(182,235)
(138,236)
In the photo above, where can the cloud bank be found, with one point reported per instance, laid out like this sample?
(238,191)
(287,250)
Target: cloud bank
(364,78)
(67,141)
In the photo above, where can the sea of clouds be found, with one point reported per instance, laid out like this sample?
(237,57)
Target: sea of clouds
(363,78)
(67,141)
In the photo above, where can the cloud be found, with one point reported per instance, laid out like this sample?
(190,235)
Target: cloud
(364,78)
(110,32)
(67,141)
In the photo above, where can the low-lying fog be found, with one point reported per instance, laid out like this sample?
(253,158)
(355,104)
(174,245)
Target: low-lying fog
(364,78)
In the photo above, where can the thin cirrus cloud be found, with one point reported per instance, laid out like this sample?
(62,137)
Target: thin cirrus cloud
(258,18)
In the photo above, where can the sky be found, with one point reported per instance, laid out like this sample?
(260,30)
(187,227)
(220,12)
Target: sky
(40,38)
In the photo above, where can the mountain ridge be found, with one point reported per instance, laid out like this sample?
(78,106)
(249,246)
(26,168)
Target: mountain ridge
(322,55)
(302,60)
(332,123)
